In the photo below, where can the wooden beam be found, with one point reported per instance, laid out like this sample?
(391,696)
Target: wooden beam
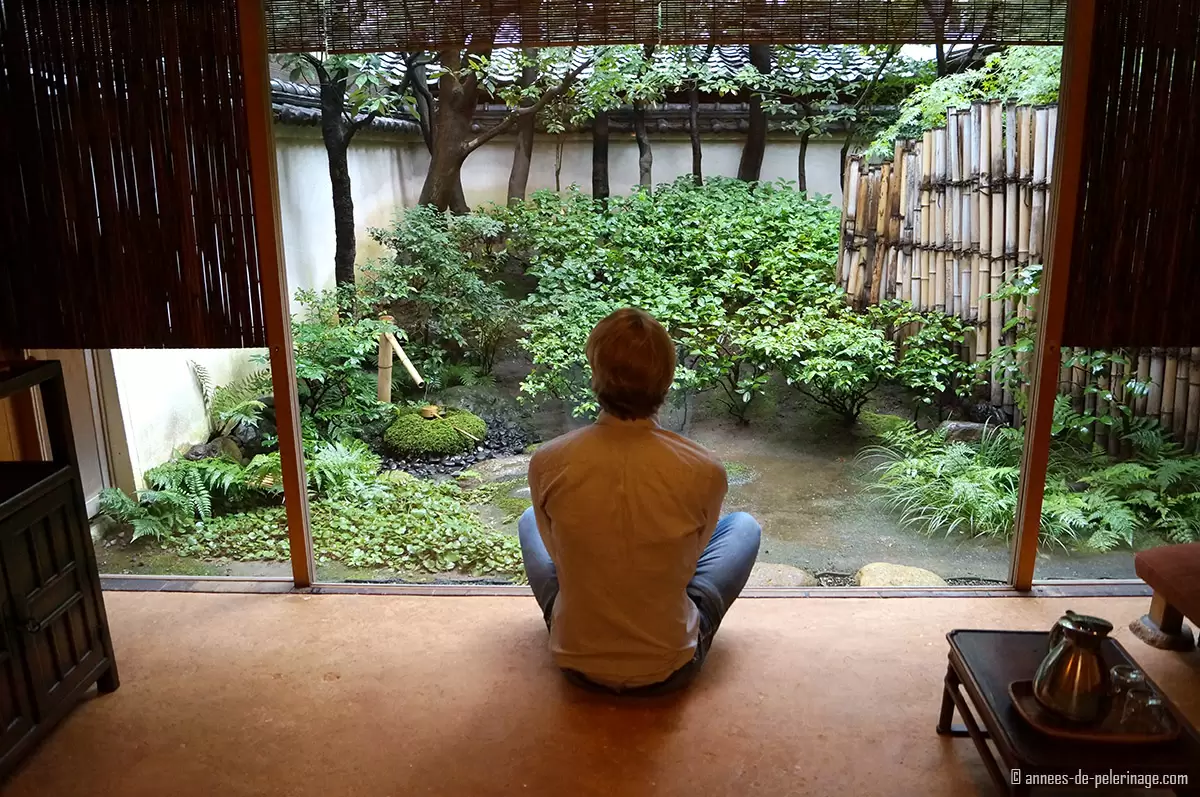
(1068,166)
(265,190)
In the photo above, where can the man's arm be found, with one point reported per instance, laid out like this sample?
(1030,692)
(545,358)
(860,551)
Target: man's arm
(537,498)
(716,497)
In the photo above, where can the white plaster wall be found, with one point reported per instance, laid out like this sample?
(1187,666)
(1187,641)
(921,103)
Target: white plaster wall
(386,173)
(161,405)
(160,401)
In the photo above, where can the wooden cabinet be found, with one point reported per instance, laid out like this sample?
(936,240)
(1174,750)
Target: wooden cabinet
(54,639)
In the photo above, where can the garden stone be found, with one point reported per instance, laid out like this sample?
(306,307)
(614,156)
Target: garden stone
(883,574)
(770,574)
(521,492)
(501,469)
(964,431)
(224,446)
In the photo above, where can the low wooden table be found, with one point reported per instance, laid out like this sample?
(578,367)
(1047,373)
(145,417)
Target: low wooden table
(984,663)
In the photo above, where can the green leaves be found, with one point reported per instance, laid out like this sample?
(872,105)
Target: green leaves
(408,525)
(716,265)
(1089,502)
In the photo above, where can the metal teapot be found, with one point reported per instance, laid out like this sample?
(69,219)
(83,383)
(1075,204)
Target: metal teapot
(1073,681)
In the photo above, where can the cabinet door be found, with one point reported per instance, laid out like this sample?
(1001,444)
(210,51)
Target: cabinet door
(16,708)
(53,596)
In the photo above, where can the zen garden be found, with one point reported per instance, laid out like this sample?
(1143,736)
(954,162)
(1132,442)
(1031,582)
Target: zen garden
(858,362)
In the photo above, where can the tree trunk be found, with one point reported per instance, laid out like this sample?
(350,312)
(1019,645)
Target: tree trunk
(558,153)
(645,154)
(750,167)
(600,156)
(336,133)
(345,248)
(443,181)
(694,132)
(518,178)
(801,172)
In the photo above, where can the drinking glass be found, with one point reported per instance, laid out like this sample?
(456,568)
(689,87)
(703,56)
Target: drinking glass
(1143,711)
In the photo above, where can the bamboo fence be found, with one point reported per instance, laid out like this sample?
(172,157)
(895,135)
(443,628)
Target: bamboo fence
(953,216)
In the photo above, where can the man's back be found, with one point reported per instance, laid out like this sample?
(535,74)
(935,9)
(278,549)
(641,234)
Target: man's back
(625,509)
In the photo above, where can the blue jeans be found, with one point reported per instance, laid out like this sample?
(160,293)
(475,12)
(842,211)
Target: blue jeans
(721,573)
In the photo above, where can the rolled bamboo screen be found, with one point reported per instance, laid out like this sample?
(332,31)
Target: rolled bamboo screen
(385,25)
(1134,279)
(125,218)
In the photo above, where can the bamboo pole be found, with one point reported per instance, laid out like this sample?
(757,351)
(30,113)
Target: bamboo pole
(882,217)
(1143,376)
(1011,206)
(1103,407)
(1155,395)
(1078,379)
(1192,426)
(939,220)
(912,215)
(1037,219)
(863,211)
(983,217)
(966,144)
(1051,136)
(418,381)
(1182,375)
(1117,392)
(973,195)
(927,211)
(1025,185)
(383,390)
(1170,371)
(903,289)
(996,254)
(895,218)
(850,205)
(953,211)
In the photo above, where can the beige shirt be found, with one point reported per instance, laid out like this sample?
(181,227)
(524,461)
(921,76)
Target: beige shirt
(625,509)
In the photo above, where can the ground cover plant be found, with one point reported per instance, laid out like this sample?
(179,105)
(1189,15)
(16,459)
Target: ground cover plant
(1092,501)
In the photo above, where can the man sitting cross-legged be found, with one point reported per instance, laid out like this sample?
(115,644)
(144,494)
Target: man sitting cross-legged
(624,545)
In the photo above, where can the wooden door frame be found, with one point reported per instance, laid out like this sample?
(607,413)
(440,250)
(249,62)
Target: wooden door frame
(276,305)
(1077,54)
(1052,298)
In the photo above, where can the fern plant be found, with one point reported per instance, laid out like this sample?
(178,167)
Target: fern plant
(155,513)
(198,481)
(233,404)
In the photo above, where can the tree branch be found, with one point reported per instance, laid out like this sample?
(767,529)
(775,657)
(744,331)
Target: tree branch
(510,121)
(361,122)
(322,75)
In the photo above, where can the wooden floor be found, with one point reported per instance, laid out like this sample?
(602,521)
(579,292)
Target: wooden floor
(295,695)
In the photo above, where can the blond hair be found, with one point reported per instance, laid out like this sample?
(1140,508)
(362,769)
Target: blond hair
(633,363)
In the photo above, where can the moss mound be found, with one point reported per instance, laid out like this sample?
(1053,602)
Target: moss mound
(411,435)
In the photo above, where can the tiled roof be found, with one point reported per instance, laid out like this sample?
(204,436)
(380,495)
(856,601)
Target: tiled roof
(842,63)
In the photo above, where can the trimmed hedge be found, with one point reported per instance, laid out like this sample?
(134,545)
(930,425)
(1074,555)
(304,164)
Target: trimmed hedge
(411,435)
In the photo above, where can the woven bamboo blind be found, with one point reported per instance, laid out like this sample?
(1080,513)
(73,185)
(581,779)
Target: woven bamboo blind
(385,25)
(1134,279)
(125,217)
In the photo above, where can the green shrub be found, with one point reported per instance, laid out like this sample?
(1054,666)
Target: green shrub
(413,525)
(412,435)
(336,344)
(715,264)
(440,281)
